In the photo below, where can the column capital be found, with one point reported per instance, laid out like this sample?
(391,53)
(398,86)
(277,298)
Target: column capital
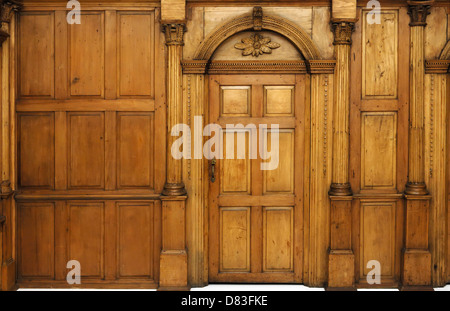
(7,9)
(174,33)
(342,31)
(418,12)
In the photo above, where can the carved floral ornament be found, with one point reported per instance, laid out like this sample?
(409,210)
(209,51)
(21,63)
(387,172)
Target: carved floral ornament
(256,45)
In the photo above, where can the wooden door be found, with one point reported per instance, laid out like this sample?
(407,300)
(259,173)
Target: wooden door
(256,220)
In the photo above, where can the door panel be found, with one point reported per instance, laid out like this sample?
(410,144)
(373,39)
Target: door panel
(255,214)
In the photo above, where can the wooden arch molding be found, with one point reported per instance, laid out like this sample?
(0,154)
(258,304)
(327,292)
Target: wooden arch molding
(445,54)
(299,38)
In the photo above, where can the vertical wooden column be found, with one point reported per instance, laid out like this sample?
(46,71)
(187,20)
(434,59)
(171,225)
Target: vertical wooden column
(195,171)
(7,214)
(436,95)
(416,267)
(320,155)
(173,259)
(341,260)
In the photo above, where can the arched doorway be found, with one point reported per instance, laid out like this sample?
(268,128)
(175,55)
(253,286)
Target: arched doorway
(257,217)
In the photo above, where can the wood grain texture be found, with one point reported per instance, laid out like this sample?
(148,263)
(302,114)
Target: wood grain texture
(380,56)
(87,150)
(378,150)
(436,154)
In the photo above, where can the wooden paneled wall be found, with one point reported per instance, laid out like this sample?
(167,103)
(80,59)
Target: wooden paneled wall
(379,140)
(90,145)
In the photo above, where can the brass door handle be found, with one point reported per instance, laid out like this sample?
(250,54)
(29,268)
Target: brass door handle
(213,170)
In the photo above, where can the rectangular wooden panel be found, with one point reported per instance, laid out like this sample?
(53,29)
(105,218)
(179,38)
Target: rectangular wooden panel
(279,100)
(87,52)
(280,179)
(37,54)
(135,150)
(36,147)
(234,239)
(135,239)
(86,133)
(136,53)
(36,240)
(378,150)
(235,101)
(380,56)
(278,239)
(378,236)
(235,173)
(86,237)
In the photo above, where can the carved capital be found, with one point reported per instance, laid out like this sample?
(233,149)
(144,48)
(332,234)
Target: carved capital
(174,33)
(342,32)
(7,9)
(418,12)
(438,66)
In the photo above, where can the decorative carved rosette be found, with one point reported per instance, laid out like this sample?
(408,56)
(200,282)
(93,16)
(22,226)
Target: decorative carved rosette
(174,33)
(256,45)
(343,32)
(418,12)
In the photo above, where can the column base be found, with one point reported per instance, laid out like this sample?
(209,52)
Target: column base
(341,270)
(173,270)
(174,189)
(416,270)
(337,189)
(9,275)
(416,188)
(416,289)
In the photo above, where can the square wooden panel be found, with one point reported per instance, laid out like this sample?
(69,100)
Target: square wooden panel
(278,239)
(135,51)
(86,237)
(36,148)
(378,150)
(279,100)
(135,239)
(36,54)
(380,56)
(135,153)
(378,235)
(86,140)
(234,239)
(280,179)
(36,240)
(235,173)
(87,55)
(235,100)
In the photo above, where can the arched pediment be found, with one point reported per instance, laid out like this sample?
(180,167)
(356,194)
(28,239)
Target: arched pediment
(295,34)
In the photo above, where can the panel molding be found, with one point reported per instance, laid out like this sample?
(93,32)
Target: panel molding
(373,169)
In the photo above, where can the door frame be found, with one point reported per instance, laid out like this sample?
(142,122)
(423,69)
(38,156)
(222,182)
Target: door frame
(319,81)
(301,99)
